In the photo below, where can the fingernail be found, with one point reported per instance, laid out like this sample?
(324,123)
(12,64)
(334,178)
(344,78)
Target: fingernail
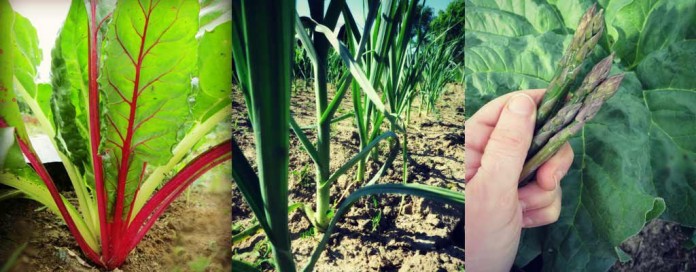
(557,177)
(521,104)
(555,180)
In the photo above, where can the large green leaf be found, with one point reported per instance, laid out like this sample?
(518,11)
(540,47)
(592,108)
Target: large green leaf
(44,92)
(69,78)
(150,55)
(605,197)
(494,68)
(214,71)
(534,56)
(213,14)
(670,96)
(11,157)
(572,10)
(511,18)
(496,22)
(209,98)
(640,27)
(9,110)
(636,159)
(27,53)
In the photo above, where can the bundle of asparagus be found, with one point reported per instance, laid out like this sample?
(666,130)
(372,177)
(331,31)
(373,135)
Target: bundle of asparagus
(562,113)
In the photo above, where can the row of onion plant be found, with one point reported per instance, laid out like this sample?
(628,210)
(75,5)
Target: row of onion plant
(263,66)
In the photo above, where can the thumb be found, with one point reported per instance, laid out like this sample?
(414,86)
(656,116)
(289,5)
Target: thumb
(507,147)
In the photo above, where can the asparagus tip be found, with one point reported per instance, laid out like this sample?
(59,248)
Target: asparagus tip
(591,11)
(613,82)
(600,71)
(593,102)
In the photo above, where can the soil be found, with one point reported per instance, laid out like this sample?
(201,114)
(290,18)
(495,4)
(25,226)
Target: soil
(192,235)
(660,246)
(419,238)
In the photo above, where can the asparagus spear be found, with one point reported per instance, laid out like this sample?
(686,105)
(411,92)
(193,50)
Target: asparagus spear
(590,106)
(586,36)
(570,108)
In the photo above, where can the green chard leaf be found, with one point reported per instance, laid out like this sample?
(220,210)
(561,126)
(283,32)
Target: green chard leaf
(214,71)
(214,13)
(209,98)
(27,54)
(9,109)
(145,80)
(69,79)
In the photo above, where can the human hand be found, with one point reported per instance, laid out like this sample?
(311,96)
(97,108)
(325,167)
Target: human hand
(497,139)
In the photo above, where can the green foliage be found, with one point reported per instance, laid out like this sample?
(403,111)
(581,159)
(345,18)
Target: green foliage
(69,79)
(200,264)
(439,68)
(265,81)
(451,20)
(150,52)
(424,18)
(162,82)
(264,70)
(336,70)
(377,217)
(302,175)
(14,257)
(302,66)
(309,233)
(635,160)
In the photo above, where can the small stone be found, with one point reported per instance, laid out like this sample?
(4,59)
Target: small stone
(444,258)
(432,220)
(342,181)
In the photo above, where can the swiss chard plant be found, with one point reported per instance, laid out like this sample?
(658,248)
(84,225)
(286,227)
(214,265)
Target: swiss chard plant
(636,160)
(135,86)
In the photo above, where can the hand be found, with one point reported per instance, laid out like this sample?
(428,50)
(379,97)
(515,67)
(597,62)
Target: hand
(497,139)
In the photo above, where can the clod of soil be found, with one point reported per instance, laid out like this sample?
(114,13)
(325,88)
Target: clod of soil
(660,246)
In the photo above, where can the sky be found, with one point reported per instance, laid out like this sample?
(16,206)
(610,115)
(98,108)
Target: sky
(357,5)
(47,16)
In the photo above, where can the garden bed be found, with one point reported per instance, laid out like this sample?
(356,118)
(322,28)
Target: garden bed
(192,235)
(416,238)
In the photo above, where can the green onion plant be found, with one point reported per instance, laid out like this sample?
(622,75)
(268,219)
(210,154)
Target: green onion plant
(264,69)
(439,70)
(389,67)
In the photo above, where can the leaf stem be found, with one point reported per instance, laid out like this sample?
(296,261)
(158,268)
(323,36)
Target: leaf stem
(95,132)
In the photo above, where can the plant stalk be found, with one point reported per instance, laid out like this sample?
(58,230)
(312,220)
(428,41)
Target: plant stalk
(321,45)
(586,37)
(590,106)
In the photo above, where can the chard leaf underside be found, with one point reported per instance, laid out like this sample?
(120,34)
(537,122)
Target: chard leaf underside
(150,55)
